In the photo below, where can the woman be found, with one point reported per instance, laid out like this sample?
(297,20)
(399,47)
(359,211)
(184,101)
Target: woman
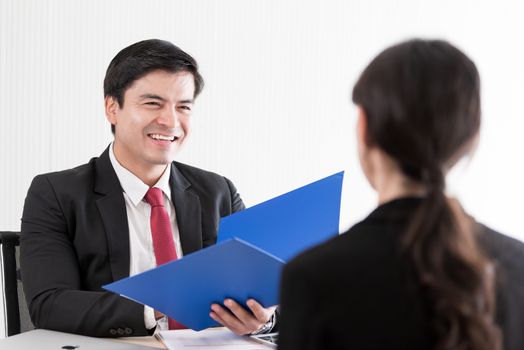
(418,272)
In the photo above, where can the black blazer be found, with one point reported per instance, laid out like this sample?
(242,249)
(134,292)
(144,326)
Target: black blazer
(75,238)
(356,291)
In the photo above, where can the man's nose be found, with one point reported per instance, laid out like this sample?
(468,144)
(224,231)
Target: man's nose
(169,117)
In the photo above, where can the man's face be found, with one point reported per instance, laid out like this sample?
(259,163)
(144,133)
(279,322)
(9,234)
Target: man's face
(154,121)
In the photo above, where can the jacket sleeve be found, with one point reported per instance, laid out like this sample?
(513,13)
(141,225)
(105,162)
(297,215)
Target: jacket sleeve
(52,278)
(236,201)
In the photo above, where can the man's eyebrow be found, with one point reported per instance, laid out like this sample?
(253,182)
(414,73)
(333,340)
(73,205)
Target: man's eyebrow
(152,96)
(156,97)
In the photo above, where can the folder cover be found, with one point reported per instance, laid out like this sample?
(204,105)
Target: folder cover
(288,224)
(184,289)
(247,261)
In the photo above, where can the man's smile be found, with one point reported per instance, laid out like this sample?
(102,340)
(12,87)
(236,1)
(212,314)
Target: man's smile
(160,137)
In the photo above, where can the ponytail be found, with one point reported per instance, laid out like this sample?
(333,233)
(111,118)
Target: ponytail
(455,275)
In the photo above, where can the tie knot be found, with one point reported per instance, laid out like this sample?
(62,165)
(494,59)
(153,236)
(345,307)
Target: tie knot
(154,197)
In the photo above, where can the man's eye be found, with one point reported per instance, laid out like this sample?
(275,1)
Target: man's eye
(152,103)
(187,108)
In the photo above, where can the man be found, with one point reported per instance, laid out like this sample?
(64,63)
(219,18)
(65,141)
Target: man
(128,210)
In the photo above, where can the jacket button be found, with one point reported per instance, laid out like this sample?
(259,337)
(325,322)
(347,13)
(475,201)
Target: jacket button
(112,331)
(129,331)
(120,331)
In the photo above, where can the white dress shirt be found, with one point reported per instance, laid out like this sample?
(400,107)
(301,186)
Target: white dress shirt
(141,253)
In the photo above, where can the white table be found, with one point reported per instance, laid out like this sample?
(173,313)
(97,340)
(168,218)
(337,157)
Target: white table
(41,339)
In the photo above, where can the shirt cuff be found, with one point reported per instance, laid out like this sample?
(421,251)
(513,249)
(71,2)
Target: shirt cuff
(267,327)
(149,317)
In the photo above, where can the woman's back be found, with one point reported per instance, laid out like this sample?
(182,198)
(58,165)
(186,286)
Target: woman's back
(365,294)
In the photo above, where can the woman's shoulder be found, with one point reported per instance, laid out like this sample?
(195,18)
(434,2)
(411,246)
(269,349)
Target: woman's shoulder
(508,252)
(363,242)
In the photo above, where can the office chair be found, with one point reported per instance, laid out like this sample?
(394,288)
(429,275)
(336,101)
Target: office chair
(17,315)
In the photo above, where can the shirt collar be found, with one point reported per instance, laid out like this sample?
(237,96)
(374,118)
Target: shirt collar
(132,185)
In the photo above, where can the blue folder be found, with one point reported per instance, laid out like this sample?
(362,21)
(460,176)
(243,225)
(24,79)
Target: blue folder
(288,224)
(185,289)
(247,261)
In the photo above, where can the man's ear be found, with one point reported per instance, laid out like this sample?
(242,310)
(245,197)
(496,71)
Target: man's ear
(111,109)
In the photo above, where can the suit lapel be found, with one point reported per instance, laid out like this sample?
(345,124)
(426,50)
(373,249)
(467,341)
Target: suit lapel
(188,211)
(112,209)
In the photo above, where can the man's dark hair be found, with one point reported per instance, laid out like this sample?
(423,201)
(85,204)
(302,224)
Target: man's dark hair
(143,57)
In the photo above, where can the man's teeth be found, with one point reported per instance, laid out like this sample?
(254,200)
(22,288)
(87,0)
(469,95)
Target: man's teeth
(162,137)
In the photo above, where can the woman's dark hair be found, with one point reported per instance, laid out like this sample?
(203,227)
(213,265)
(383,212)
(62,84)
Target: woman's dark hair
(421,99)
(143,57)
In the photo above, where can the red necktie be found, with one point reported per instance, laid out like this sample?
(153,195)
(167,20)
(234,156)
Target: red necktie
(163,242)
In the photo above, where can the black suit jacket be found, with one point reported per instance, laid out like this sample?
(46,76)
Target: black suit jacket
(75,238)
(357,291)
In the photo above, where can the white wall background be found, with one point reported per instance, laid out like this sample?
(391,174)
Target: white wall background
(275,112)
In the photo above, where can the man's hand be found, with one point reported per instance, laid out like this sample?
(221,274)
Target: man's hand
(238,319)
